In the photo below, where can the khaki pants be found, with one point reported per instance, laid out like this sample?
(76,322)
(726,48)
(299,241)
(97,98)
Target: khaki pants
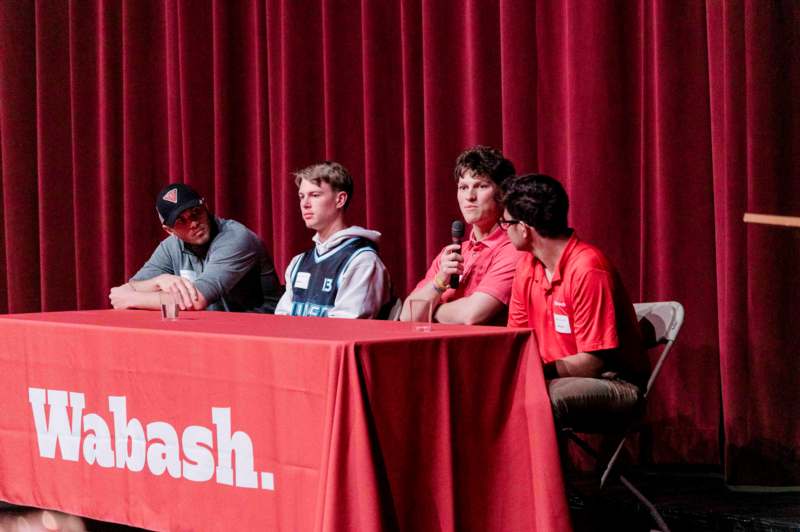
(589,405)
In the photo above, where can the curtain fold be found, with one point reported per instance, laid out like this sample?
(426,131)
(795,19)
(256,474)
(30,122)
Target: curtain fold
(755,123)
(665,120)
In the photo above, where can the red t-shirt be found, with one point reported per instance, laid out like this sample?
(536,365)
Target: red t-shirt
(489,267)
(584,308)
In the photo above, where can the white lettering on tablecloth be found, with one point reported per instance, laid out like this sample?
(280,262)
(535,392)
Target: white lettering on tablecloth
(134,446)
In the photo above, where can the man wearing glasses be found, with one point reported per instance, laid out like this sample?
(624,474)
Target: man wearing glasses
(206,262)
(572,297)
(485,262)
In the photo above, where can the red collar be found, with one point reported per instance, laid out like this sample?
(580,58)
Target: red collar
(493,239)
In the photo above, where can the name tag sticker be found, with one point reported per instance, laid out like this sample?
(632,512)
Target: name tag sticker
(189,275)
(301,281)
(562,323)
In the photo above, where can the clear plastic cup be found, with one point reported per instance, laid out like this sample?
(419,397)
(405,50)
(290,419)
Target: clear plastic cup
(169,306)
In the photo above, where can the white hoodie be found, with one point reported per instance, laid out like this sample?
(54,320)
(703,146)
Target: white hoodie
(364,286)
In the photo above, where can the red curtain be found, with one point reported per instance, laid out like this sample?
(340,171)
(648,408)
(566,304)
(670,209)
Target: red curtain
(666,120)
(754,67)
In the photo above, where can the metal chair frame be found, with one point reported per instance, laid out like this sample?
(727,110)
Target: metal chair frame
(666,319)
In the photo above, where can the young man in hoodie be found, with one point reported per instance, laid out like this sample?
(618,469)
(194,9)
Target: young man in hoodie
(342,275)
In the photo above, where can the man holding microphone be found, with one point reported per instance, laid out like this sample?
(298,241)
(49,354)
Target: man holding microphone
(484,264)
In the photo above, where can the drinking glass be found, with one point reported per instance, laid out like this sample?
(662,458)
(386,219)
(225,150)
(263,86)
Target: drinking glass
(169,306)
(423,310)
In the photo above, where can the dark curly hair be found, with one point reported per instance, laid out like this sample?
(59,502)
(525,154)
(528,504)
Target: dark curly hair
(484,161)
(540,201)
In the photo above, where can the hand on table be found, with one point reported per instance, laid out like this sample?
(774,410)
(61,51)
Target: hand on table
(183,289)
(122,297)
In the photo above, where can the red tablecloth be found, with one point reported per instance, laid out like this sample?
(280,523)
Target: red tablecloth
(239,421)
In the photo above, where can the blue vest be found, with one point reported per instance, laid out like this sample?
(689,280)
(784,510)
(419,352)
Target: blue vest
(315,278)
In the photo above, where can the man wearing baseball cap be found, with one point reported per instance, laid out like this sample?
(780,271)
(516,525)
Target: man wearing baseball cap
(206,262)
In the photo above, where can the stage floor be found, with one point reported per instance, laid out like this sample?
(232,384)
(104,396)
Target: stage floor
(695,500)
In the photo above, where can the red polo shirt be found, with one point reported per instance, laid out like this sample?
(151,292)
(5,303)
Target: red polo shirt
(489,267)
(584,308)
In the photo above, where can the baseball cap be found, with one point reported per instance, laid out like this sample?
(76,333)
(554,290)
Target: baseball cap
(173,200)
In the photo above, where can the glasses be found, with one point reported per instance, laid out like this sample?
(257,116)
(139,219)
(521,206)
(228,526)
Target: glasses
(505,224)
(189,216)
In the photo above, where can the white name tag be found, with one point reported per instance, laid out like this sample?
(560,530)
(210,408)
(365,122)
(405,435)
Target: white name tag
(301,281)
(189,275)
(562,323)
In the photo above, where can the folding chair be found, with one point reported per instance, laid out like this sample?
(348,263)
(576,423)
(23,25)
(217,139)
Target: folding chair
(660,323)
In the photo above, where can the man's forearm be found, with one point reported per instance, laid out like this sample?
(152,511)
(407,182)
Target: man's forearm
(426,292)
(146,300)
(125,296)
(188,296)
(145,285)
(477,308)
(457,311)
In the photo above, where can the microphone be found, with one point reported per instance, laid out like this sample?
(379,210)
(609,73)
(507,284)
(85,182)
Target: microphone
(456,234)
